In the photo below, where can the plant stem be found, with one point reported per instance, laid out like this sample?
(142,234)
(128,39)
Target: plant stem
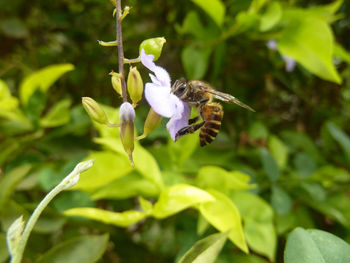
(120,49)
(67,182)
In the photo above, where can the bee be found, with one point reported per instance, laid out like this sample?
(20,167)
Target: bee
(200,94)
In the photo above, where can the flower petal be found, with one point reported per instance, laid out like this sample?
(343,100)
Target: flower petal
(159,98)
(180,119)
(147,60)
(161,74)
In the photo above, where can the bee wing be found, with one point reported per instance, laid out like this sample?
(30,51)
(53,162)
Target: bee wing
(229,98)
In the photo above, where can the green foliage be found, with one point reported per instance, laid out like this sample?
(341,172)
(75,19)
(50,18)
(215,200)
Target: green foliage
(89,248)
(315,246)
(205,250)
(266,178)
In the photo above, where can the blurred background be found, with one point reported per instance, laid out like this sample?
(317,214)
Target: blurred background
(295,147)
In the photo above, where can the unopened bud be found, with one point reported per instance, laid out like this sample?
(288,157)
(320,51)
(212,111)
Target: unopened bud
(116,82)
(94,110)
(153,46)
(126,130)
(152,121)
(135,85)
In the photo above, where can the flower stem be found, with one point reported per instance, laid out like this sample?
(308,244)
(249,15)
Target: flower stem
(67,182)
(120,49)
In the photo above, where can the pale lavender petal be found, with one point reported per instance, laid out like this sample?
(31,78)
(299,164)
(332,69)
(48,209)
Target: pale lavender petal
(180,119)
(147,60)
(272,44)
(290,63)
(154,79)
(159,98)
(161,74)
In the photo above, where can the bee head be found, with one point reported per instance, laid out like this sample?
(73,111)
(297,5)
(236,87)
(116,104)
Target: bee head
(179,87)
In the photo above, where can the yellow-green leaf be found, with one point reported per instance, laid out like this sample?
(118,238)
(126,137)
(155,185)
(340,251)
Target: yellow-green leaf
(205,250)
(214,8)
(108,167)
(301,38)
(220,179)
(177,198)
(122,219)
(42,79)
(58,114)
(224,216)
(258,223)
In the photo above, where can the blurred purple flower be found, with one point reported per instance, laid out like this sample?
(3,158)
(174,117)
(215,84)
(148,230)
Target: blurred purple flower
(160,98)
(290,63)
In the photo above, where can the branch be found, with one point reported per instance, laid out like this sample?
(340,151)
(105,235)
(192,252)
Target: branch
(120,49)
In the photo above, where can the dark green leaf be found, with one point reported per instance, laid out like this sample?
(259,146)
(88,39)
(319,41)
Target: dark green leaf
(83,249)
(195,61)
(280,201)
(269,164)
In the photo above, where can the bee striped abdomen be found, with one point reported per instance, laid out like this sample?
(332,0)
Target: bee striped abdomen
(212,115)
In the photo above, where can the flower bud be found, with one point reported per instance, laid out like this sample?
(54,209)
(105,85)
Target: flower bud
(94,110)
(152,121)
(116,82)
(135,85)
(153,46)
(126,130)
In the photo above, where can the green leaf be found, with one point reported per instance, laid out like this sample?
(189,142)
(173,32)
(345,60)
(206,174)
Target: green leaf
(304,164)
(49,224)
(9,182)
(82,249)
(195,61)
(4,254)
(258,221)
(122,219)
(300,40)
(300,141)
(214,8)
(326,12)
(269,164)
(341,53)
(58,115)
(42,79)
(220,179)
(108,167)
(281,201)
(242,258)
(127,186)
(144,161)
(315,246)
(13,27)
(70,199)
(271,17)
(184,148)
(177,198)
(7,101)
(205,250)
(224,216)
(193,25)
(278,150)
(341,138)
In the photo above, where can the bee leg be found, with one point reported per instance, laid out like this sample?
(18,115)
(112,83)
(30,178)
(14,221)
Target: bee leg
(197,103)
(188,129)
(193,120)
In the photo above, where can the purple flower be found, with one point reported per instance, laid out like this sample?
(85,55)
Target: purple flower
(290,62)
(159,97)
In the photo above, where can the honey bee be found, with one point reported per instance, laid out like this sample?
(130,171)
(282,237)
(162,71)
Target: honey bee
(200,94)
